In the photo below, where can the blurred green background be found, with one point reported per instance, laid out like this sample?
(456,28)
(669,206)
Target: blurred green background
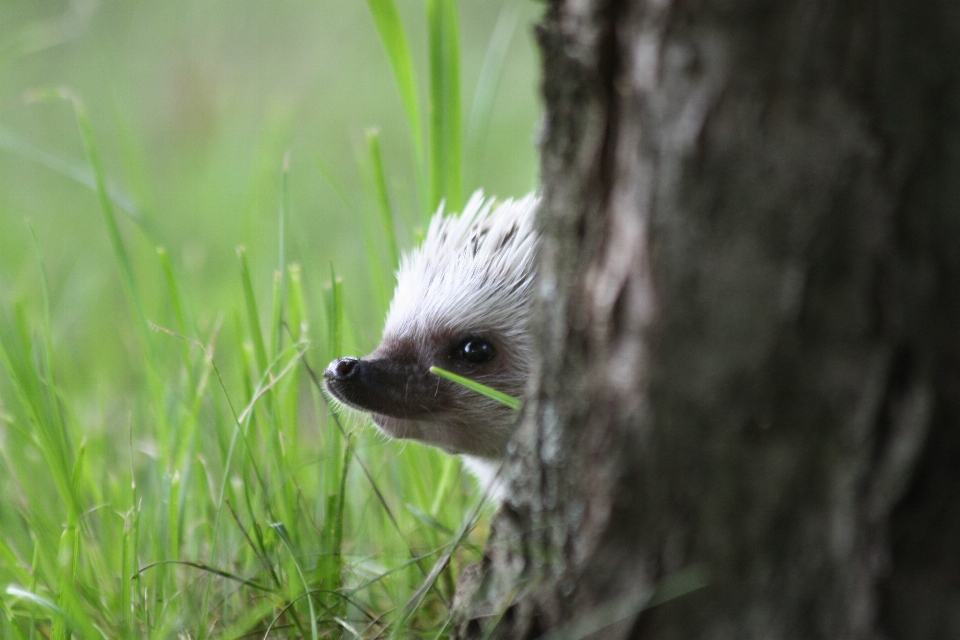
(124,447)
(193,104)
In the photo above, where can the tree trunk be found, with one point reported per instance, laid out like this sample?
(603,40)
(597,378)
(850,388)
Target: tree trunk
(743,419)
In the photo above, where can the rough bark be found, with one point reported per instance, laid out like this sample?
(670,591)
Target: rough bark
(750,293)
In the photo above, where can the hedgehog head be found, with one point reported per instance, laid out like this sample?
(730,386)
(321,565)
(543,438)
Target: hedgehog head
(462,303)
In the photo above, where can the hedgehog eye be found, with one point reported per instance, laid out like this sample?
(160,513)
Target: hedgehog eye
(475,350)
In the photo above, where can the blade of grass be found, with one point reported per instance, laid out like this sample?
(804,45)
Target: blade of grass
(276,315)
(369,243)
(445,172)
(154,380)
(10,628)
(450,468)
(106,206)
(281,290)
(208,569)
(478,121)
(49,434)
(67,597)
(58,614)
(130,601)
(298,316)
(338,449)
(493,394)
(284,536)
(253,316)
(48,379)
(439,566)
(258,547)
(274,437)
(429,520)
(12,563)
(334,308)
(383,200)
(241,423)
(394,40)
(337,545)
(175,300)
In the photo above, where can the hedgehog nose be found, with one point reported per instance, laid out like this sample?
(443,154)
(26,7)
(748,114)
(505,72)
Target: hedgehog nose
(342,368)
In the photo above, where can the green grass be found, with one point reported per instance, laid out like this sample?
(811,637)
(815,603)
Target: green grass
(493,394)
(168,464)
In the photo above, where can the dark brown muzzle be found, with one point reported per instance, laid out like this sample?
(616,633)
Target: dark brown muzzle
(399,390)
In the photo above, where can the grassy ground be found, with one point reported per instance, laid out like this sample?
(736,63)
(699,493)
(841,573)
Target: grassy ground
(168,466)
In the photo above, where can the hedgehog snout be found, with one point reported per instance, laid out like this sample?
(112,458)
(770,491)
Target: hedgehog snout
(340,378)
(342,368)
(344,381)
(384,386)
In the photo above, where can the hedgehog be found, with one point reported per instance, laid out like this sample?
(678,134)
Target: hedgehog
(462,303)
